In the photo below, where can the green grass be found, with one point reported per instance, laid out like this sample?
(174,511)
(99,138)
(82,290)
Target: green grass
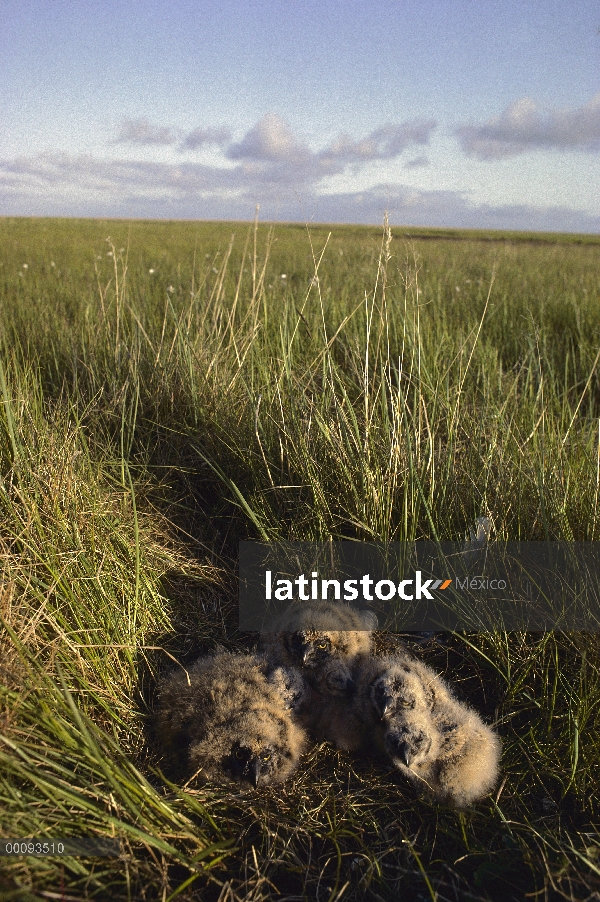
(391,386)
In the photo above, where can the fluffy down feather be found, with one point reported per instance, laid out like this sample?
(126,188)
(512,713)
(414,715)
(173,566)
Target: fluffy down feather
(440,744)
(232,720)
(324,639)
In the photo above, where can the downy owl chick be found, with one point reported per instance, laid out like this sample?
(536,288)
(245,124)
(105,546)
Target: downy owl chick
(323,638)
(232,720)
(440,744)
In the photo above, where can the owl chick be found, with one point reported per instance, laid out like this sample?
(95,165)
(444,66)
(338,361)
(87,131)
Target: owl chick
(323,638)
(322,641)
(233,720)
(440,744)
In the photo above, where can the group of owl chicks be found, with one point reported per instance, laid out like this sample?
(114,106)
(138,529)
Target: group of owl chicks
(248,718)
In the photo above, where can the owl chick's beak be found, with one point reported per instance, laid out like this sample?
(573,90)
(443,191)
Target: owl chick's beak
(386,704)
(405,753)
(255,771)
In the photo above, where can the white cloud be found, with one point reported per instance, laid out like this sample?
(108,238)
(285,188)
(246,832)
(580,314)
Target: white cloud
(383,143)
(145,133)
(271,145)
(142,131)
(201,136)
(417,162)
(522,127)
(269,141)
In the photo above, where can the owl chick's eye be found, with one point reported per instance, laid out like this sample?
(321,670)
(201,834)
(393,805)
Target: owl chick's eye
(322,645)
(265,756)
(239,754)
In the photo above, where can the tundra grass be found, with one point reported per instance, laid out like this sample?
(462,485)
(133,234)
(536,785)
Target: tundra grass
(168,389)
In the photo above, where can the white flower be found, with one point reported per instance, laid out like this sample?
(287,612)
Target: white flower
(109,253)
(52,264)
(151,271)
(283,275)
(26,266)
(170,289)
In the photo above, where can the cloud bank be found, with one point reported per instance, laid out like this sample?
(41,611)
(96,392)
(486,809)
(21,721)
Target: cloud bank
(268,162)
(63,185)
(271,166)
(271,143)
(522,127)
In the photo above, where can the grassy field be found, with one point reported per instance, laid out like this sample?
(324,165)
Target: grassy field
(167,389)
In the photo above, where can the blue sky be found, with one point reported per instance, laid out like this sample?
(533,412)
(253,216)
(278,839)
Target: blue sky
(458,113)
